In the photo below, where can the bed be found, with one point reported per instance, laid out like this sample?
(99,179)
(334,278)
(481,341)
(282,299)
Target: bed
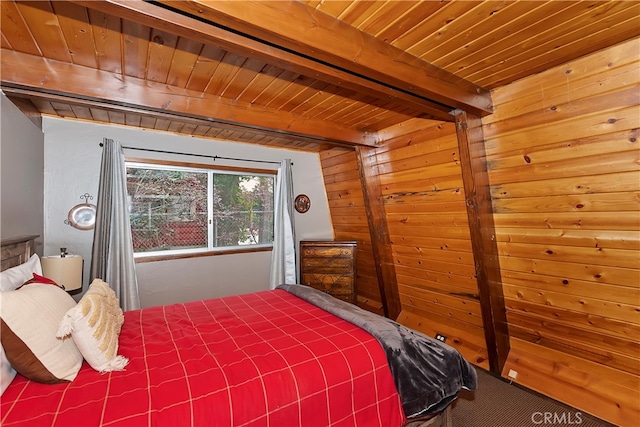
(268,358)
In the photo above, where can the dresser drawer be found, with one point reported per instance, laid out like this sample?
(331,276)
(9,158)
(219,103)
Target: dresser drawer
(325,282)
(328,251)
(323,265)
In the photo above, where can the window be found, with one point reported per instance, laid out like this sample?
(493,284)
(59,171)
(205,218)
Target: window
(176,209)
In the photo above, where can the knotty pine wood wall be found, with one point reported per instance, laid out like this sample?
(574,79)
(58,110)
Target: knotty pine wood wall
(349,217)
(563,160)
(424,201)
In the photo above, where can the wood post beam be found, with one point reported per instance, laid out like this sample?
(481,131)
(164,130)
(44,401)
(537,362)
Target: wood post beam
(483,239)
(380,240)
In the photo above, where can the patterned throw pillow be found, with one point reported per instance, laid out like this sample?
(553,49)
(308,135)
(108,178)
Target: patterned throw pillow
(94,324)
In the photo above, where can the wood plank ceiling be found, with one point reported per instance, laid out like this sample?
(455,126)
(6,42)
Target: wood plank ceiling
(305,75)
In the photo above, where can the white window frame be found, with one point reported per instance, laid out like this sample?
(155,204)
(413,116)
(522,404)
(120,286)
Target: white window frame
(210,171)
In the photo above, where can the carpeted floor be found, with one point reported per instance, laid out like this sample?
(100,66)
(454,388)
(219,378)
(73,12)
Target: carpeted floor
(497,403)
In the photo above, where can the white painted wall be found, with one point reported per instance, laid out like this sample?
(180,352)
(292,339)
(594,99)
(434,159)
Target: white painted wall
(21,174)
(71,168)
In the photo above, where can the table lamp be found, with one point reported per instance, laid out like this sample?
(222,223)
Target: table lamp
(64,269)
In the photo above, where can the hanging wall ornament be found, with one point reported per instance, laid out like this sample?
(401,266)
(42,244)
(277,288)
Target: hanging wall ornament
(83,215)
(302,203)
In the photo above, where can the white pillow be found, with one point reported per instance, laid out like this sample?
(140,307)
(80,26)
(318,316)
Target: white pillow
(15,277)
(30,318)
(7,373)
(94,325)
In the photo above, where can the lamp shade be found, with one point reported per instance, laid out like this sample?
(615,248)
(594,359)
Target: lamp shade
(64,270)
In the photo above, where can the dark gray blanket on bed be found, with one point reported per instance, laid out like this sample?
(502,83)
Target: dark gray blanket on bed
(428,373)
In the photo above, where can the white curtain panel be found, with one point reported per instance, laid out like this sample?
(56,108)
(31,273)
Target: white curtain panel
(112,254)
(283,256)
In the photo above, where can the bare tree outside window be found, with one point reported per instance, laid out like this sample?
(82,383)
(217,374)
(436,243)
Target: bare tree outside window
(169,208)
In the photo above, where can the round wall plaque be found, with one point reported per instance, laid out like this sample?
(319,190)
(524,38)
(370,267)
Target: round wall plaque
(302,203)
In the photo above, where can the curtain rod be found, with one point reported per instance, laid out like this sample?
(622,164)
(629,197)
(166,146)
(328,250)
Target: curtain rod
(198,155)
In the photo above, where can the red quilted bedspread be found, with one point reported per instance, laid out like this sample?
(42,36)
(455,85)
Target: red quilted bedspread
(262,359)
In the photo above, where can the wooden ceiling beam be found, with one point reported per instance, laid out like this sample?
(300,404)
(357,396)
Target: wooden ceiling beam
(81,83)
(22,97)
(317,35)
(157,17)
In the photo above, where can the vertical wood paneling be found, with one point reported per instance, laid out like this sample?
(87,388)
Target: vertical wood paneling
(78,34)
(45,30)
(20,38)
(108,42)
(160,55)
(135,48)
(183,62)
(564,165)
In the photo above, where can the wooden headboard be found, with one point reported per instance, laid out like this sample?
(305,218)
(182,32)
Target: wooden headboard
(16,250)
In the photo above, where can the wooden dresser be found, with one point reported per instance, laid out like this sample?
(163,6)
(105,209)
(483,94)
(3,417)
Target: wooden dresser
(329,266)
(16,251)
